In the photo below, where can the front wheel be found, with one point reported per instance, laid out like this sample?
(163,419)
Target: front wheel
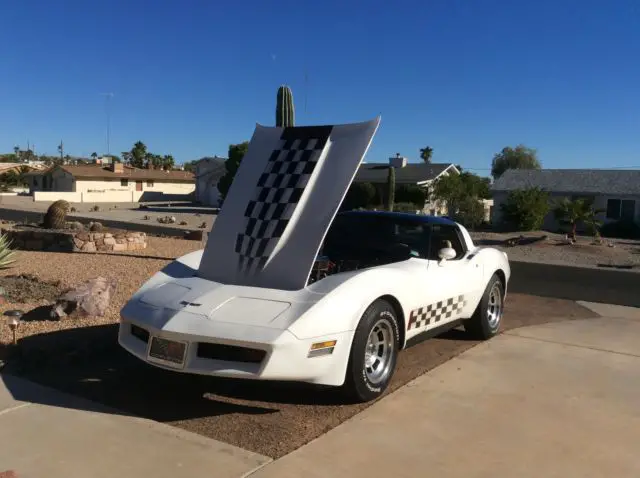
(374,353)
(486,320)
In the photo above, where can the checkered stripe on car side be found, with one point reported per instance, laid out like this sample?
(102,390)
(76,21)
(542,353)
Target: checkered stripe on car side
(437,312)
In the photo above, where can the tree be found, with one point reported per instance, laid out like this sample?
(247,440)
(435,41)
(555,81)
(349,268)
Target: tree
(94,155)
(426,153)
(526,208)
(463,194)
(189,166)
(577,211)
(137,157)
(519,157)
(168,162)
(236,153)
(391,188)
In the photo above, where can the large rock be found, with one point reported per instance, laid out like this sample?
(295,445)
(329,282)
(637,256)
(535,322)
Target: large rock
(90,298)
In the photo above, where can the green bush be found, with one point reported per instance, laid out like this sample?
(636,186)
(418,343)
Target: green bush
(410,193)
(470,212)
(525,209)
(359,195)
(621,230)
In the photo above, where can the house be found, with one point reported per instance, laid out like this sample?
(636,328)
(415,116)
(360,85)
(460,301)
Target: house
(114,183)
(208,172)
(617,192)
(418,174)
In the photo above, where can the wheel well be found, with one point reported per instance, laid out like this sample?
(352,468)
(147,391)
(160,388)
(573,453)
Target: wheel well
(501,275)
(400,314)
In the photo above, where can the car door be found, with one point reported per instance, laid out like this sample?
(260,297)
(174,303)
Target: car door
(448,287)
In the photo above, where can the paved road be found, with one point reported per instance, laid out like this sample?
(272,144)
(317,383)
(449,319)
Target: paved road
(576,283)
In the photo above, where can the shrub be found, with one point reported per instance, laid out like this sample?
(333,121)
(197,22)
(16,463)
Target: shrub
(525,209)
(470,212)
(359,195)
(621,230)
(410,193)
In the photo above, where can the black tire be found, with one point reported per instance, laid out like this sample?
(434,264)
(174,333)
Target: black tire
(362,383)
(481,326)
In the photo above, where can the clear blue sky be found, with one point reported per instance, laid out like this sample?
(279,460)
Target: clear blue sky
(466,77)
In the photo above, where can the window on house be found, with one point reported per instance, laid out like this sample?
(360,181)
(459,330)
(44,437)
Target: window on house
(124,182)
(624,209)
(150,183)
(628,210)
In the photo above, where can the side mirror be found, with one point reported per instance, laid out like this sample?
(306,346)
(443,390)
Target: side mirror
(446,254)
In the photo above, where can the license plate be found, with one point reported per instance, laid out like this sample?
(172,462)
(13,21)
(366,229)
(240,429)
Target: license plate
(167,350)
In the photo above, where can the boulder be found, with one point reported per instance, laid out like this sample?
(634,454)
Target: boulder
(91,298)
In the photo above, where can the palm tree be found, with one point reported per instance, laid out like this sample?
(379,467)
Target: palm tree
(426,153)
(579,210)
(94,155)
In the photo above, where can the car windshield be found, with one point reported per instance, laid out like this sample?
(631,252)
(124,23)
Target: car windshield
(362,237)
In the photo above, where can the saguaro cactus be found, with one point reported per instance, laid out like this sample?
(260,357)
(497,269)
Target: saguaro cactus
(391,188)
(285,112)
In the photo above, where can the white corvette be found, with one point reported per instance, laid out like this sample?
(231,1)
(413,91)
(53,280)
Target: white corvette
(287,290)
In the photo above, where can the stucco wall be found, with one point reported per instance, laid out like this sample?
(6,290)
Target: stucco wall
(82,185)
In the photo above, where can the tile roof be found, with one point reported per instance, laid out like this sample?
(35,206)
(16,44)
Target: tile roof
(580,181)
(411,173)
(99,172)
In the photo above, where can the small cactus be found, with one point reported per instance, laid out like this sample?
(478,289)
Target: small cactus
(285,111)
(56,215)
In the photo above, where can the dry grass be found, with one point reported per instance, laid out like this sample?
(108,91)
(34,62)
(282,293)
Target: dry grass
(129,269)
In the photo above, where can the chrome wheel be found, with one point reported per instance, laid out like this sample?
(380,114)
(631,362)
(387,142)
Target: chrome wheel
(495,306)
(379,351)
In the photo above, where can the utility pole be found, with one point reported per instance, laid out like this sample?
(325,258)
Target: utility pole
(108,107)
(61,149)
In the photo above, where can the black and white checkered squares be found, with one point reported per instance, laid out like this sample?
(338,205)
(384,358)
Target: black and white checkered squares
(278,192)
(443,310)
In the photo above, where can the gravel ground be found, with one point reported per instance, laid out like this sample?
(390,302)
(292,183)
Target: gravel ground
(129,269)
(193,215)
(624,254)
(82,357)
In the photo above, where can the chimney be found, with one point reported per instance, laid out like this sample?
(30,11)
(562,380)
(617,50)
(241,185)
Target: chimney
(398,161)
(116,167)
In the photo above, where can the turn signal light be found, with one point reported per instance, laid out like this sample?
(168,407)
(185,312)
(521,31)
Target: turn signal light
(323,345)
(322,348)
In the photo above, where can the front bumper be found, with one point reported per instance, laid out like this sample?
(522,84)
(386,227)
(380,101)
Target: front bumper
(234,350)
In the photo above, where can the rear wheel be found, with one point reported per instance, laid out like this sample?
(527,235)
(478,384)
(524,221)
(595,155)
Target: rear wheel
(374,353)
(486,320)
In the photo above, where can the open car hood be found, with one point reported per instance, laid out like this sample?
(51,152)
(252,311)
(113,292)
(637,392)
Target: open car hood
(285,194)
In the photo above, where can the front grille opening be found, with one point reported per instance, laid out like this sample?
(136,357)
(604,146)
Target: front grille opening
(140,333)
(229,353)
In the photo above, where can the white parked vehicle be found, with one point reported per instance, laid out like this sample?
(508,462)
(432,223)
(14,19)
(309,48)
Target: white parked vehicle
(285,289)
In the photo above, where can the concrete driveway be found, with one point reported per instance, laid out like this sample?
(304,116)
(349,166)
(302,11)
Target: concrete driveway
(554,400)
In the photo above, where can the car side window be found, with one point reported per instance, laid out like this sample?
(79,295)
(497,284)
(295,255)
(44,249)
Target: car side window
(445,236)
